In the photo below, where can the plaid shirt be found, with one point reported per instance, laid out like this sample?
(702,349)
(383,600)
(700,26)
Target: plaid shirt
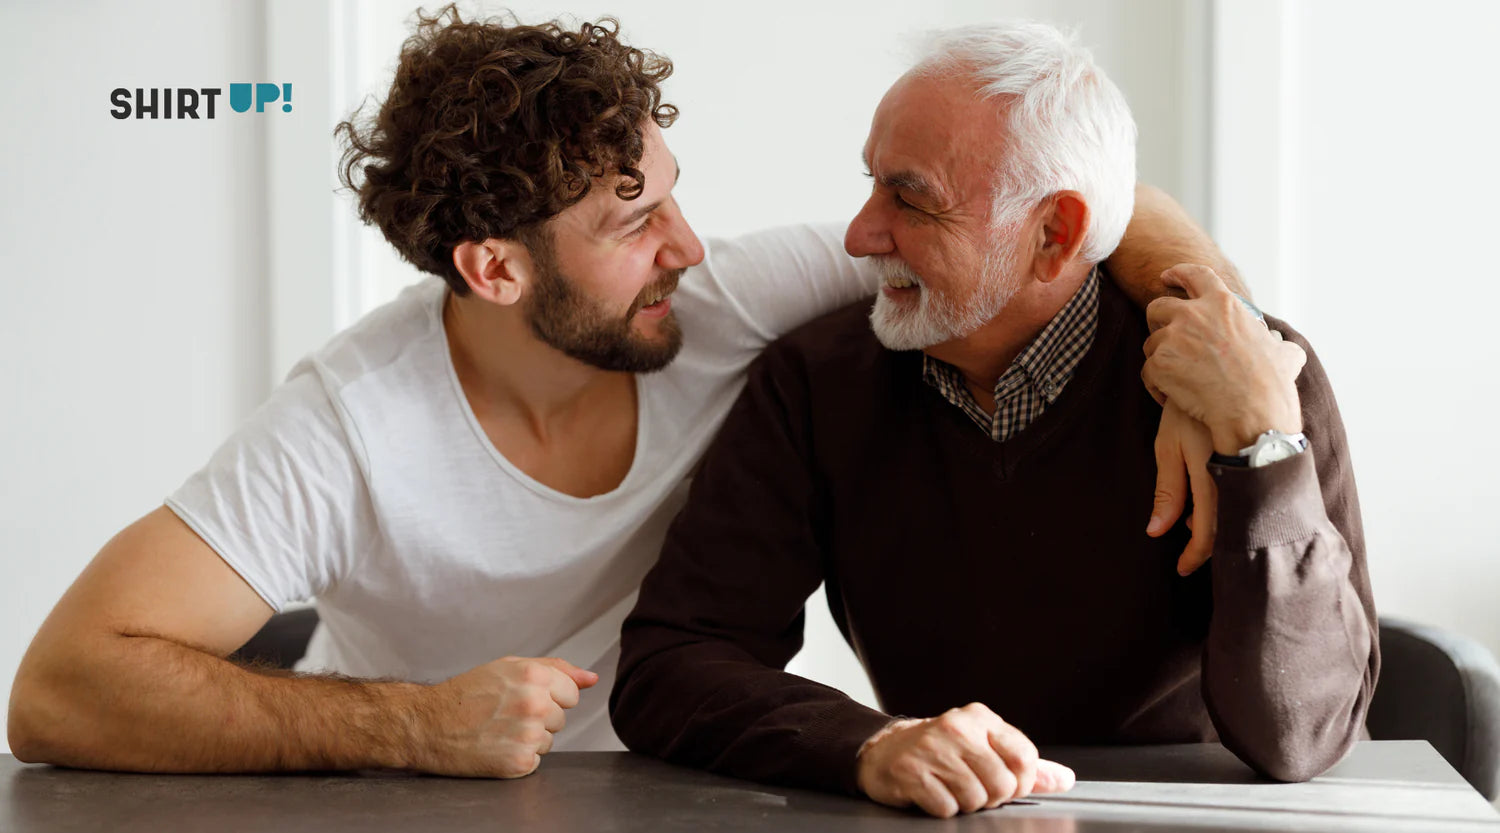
(1037,377)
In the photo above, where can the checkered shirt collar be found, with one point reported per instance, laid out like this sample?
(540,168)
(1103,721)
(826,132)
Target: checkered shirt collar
(1037,376)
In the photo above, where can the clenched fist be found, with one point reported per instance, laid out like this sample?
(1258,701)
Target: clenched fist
(497,720)
(964,760)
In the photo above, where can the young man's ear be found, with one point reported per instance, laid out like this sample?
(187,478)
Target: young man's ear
(1065,221)
(498,270)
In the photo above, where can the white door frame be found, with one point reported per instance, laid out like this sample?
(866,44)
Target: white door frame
(316,258)
(1254,164)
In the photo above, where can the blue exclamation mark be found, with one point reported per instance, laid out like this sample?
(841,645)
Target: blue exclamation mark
(286,95)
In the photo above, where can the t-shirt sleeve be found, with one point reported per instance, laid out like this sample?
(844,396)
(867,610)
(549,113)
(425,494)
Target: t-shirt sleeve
(779,279)
(284,500)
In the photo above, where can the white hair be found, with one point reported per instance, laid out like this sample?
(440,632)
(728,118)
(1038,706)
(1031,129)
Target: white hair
(1069,127)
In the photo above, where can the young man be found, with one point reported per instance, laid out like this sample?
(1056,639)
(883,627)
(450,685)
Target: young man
(472,480)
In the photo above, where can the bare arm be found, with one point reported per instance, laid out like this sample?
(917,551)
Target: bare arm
(1162,235)
(129,673)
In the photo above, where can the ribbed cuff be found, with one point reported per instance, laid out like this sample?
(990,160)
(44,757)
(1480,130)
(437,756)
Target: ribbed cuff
(1275,504)
(832,745)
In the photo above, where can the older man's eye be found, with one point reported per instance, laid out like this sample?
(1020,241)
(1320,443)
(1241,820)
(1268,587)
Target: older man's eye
(902,203)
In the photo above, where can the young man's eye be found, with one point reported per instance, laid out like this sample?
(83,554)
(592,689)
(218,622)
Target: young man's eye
(641,229)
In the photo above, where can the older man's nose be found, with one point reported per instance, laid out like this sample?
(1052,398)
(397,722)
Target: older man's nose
(868,234)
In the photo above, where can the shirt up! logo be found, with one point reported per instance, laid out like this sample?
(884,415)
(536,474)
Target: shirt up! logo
(196,103)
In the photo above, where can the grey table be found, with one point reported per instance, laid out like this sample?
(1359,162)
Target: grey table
(1381,786)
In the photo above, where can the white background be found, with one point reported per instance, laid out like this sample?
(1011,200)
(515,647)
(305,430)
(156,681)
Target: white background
(158,276)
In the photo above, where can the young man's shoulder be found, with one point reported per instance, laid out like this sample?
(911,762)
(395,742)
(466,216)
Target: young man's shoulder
(382,337)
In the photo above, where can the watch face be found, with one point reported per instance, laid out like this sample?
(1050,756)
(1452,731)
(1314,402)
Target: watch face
(1276,450)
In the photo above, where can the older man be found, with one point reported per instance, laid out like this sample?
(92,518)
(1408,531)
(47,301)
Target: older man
(966,480)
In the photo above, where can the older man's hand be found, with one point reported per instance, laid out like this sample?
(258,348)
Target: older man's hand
(964,760)
(1210,357)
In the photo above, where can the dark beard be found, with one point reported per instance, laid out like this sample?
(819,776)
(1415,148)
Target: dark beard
(567,320)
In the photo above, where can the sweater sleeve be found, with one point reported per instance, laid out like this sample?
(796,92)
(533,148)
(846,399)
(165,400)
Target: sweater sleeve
(1293,649)
(701,680)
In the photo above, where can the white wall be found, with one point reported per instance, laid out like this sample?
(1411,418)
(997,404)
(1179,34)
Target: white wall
(1393,141)
(132,297)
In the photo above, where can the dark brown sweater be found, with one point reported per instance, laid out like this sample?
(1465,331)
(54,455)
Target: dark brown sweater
(1016,574)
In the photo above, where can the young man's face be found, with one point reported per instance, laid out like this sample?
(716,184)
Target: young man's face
(603,292)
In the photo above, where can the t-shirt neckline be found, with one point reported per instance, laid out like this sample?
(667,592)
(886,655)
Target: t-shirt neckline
(435,316)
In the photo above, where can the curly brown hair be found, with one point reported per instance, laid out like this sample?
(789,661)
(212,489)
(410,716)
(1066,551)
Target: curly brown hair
(492,127)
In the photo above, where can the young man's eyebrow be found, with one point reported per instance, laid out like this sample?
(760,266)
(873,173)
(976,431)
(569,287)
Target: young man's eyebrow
(631,218)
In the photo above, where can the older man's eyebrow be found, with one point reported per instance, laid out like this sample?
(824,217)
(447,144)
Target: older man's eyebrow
(904,180)
(909,181)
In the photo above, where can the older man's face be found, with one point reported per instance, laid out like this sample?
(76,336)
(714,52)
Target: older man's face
(930,153)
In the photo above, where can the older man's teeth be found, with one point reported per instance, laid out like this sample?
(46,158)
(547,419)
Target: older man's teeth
(899,283)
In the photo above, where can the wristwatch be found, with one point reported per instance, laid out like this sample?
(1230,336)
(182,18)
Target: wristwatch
(1259,316)
(1254,310)
(1270,447)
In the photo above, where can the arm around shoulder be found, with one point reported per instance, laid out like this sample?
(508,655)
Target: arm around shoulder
(1161,234)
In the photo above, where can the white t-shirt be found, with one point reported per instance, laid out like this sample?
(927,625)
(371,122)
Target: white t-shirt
(365,482)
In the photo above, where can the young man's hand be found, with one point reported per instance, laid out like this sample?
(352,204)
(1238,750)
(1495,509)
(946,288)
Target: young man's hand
(1183,446)
(497,720)
(964,760)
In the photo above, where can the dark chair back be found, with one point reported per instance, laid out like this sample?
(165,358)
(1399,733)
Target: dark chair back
(281,641)
(1444,688)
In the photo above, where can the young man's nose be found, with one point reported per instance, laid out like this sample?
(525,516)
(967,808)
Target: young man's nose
(683,248)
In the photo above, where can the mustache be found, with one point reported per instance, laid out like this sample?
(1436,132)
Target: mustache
(891,266)
(665,285)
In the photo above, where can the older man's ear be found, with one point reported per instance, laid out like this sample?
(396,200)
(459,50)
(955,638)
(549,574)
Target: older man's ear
(1064,222)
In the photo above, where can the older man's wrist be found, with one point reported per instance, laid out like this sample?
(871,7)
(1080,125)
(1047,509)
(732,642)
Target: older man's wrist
(885,731)
(1233,435)
(895,724)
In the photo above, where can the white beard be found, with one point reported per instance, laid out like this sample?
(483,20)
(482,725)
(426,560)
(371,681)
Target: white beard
(937,318)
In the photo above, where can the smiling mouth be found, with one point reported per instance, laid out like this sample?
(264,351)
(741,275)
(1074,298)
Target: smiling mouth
(657,296)
(898,277)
